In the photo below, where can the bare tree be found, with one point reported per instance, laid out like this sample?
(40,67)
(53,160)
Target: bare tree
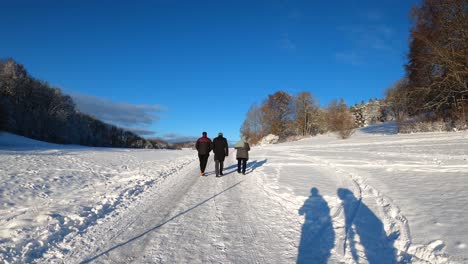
(306,110)
(277,113)
(340,119)
(253,127)
(397,99)
(438,60)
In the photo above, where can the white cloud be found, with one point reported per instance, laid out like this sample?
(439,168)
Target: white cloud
(117,113)
(141,131)
(175,138)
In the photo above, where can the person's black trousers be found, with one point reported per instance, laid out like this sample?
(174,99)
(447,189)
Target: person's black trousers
(219,167)
(242,162)
(203,160)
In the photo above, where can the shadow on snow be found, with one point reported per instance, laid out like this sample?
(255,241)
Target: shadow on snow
(251,166)
(318,236)
(361,225)
(157,226)
(361,221)
(387,128)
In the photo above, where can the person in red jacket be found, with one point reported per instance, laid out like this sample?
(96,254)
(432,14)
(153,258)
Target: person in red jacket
(203,147)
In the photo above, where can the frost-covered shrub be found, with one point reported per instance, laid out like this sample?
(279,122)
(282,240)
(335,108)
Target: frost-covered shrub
(439,126)
(340,119)
(460,125)
(268,140)
(423,127)
(405,127)
(415,126)
(346,133)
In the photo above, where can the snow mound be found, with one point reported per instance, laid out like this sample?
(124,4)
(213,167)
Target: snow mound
(268,140)
(8,140)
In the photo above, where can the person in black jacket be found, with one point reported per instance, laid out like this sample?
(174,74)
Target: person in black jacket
(203,146)
(221,150)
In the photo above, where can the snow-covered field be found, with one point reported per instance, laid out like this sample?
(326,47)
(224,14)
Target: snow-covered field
(48,191)
(374,198)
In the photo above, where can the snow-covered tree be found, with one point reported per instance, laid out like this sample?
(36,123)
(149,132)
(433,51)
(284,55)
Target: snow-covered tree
(306,111)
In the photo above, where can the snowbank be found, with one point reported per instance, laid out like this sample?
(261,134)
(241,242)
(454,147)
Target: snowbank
(268,140)
(48,191)
(8,140)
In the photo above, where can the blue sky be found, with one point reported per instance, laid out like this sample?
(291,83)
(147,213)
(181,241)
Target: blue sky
(177,68)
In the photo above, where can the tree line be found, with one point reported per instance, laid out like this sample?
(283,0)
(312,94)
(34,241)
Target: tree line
(286,115)
(33,108)
(433,94)
(435,86)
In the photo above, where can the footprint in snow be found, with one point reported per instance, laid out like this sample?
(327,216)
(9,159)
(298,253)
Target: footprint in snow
(437,245)
(461,245)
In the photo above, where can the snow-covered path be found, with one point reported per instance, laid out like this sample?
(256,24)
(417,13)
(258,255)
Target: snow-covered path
(200,220)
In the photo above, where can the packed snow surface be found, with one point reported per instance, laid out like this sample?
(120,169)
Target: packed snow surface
(378,197)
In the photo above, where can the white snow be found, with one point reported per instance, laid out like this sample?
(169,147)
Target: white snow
(48,191)
(268,140)
(378,197)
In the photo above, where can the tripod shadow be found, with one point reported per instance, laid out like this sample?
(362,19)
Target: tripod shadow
(318,236)
(360,220)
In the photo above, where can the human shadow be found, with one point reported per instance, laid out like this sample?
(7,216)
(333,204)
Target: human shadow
(318,236)
(157,226)
(251,166)
(361,221)
(227,170)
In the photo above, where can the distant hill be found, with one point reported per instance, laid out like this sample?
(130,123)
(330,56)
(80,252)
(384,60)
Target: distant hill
(182,145)
(32,108)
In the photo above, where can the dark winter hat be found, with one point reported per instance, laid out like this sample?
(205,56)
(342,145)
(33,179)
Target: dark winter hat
(220,134)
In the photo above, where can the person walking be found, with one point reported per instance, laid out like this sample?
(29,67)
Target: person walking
(242,155)
(220,150)
(203,147)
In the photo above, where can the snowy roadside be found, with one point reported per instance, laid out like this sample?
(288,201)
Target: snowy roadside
(406,188)
(49,191)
